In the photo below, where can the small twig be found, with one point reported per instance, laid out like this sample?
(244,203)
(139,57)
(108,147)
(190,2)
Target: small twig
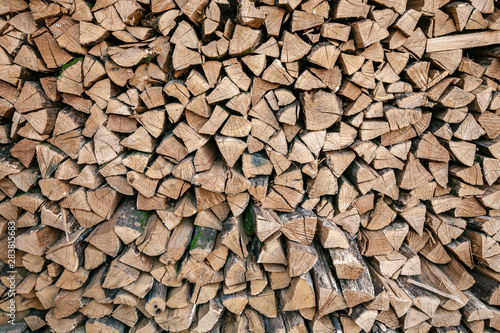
(434,290)
(63,210)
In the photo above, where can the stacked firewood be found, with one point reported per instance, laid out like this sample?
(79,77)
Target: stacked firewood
(253,166)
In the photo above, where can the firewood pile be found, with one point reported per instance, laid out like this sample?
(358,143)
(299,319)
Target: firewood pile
(255,166)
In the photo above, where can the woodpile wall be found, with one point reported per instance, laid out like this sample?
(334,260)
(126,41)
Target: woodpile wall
(256,166)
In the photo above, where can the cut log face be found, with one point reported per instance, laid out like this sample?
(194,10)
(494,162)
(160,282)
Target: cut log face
(308,166)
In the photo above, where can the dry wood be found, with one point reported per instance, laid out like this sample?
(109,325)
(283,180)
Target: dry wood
(164,160)
(348,262)
(462,41)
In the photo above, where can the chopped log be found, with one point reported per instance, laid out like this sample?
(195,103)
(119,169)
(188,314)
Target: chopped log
(155,299)
(372,243)
(130,222)
(178,242)
(422,299)
(462,41)
(475,309)
(69,252)
(358,290)
(390,265)
(348,262)
(119,275)
(301,257)
(329,297)
(300,226)
(31,242)
(297,296)
(440,281)
(400,301)
(331,236)
(282,127)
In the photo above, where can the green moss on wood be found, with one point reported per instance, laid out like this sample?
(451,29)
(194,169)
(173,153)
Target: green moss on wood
(69,63)
(248,224)
(202,237)
(142,217)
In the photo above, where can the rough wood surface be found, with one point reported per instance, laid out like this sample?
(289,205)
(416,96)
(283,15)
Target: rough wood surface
(250,166)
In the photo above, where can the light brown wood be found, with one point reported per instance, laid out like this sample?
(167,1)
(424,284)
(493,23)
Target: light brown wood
(312,166)
(464,41)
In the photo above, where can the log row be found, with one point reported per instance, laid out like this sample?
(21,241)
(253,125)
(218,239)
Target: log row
(250,166)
